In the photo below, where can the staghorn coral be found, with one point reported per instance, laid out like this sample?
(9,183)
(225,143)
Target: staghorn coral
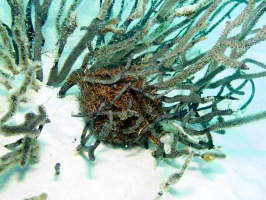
(154,67)
(18,78)
(138,62)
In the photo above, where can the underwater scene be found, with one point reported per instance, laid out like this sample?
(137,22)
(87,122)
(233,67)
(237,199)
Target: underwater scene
(132,99)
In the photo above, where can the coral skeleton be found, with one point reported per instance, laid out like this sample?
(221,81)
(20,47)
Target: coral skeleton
(141,79)
(42,196)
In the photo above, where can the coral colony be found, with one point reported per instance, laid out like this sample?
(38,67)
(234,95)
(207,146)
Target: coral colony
(142,80)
